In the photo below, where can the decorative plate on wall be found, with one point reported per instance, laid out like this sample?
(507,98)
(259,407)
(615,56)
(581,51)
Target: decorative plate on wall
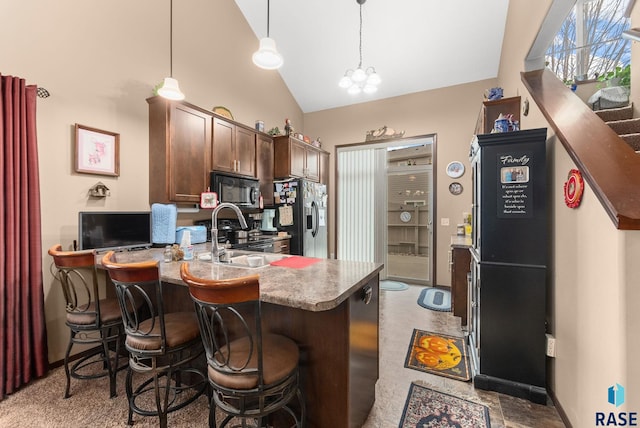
(405,216)
(223,111)
(573,188)
(455,188)
(455,169)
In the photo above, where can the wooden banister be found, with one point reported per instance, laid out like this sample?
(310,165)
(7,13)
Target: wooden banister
(607,163)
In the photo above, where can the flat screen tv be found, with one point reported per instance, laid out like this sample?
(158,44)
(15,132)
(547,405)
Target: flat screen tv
(114,230)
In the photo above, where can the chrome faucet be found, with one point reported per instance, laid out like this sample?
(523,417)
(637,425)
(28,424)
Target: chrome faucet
(215,251)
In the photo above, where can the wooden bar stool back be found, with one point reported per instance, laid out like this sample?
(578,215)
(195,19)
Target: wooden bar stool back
(91,320)
(162,346)
(252,375)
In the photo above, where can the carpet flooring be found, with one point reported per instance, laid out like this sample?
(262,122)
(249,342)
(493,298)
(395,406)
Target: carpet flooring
(426,408)
(41,404)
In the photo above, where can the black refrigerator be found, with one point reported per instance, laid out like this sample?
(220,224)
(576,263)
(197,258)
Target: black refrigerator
(509,263)
(301,211)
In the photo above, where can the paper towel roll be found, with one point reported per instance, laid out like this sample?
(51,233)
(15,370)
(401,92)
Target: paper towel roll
(186,246)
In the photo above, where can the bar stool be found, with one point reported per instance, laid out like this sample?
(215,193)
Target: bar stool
(252,375)
(160,345)
(91,320)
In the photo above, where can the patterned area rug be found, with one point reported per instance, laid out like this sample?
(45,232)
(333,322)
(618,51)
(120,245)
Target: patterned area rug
(393,285)
(436,299)
(438,354)
(426,408)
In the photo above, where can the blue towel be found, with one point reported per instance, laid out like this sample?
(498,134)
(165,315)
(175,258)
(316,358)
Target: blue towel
(164,218)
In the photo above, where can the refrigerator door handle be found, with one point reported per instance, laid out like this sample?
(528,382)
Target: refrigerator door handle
(315,215)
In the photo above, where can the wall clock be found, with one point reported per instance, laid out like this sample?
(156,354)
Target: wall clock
(455,169)
(455,188)
(405,216)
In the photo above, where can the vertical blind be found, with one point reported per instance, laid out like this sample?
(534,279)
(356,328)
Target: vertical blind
(360,190)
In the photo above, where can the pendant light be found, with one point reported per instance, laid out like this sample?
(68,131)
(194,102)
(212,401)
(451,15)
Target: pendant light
(170,88)
(360,80)
(267,56)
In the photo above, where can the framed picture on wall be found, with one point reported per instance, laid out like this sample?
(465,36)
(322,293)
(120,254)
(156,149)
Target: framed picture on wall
(97,151)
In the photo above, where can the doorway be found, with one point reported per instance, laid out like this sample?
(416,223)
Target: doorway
(409,214)
(385,206)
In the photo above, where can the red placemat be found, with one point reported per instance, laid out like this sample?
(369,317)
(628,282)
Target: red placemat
(296,262)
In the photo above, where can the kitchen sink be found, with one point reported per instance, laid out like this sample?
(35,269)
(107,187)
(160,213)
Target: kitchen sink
(242,259)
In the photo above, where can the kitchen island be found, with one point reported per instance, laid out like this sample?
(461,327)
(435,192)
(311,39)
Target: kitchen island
(330,308)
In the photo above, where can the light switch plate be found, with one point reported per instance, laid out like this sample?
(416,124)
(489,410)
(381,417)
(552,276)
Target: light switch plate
(444,221)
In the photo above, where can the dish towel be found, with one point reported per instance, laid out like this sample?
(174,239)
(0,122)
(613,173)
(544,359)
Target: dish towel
(164,218)
(295,262)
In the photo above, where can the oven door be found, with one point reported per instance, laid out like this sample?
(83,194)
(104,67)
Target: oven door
(264,247)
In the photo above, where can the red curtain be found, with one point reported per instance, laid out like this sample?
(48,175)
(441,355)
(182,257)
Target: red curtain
(23,338)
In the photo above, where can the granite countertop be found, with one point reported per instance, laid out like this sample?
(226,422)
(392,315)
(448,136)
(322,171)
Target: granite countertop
(318,287)
(461,241)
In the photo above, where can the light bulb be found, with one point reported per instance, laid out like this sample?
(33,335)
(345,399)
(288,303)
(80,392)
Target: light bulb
(373,78)
(370,89)
(358,75)
(170,89)
(345,82)
(267,55)
(354,90)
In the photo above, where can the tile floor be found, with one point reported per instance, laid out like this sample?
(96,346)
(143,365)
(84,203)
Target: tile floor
(399,315)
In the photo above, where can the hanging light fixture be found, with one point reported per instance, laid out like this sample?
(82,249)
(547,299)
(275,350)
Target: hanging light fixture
(170,88)
(360,80)
(267,56)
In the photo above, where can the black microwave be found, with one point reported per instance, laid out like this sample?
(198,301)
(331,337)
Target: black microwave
(241,191)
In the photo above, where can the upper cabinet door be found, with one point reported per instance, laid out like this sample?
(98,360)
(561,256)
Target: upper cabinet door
(179,151)
(312,164)
(222,154)
(264,167)
(245,151)
(298,160)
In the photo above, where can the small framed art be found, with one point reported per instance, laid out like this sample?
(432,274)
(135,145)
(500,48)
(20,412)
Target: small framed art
(97,151)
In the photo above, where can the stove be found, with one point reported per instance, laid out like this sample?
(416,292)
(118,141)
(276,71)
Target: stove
(255,241)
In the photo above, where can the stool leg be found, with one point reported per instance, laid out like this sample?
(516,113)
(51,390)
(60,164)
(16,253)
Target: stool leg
(303,409)
(107,361)
(212,411)
(66,365)
(129,389)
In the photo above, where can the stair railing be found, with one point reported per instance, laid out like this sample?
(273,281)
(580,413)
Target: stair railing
(608,164)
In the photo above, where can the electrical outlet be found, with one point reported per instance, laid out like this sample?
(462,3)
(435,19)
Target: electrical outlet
(444,221)
(551,345)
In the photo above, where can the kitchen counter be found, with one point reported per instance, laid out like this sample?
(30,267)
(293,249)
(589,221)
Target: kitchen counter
(331,310)
(461,241)
(321,286)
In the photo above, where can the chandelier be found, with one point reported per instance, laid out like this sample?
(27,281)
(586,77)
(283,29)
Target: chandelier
(360,80)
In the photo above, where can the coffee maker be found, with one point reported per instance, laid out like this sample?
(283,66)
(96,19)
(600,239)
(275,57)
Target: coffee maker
(268,216)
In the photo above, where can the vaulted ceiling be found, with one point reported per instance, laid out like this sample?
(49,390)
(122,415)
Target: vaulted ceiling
(414,45)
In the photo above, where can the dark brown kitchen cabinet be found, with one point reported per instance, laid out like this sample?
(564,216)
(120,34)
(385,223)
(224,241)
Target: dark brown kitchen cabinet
(460,268)
(492,109)
(264,167)
(295,158)
(281,246)
(233,149)
(324,167)
(179,151)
